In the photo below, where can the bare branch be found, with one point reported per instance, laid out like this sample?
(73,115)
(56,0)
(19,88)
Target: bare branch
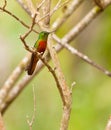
(30,122)
(81,55)
(27,33)
(40,5)
(5,4)
(31,27)
(58,5)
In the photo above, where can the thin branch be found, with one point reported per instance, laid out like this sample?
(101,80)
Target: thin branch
(40,5)
(58,6)
(81,55)
(30,122)
(31,27)
(26,46)
(27,33)
(5,4)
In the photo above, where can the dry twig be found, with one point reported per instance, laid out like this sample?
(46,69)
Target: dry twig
(27,33)
(30,122)
(40,5)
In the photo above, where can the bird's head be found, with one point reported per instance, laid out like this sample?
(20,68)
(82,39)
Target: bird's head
(43,35)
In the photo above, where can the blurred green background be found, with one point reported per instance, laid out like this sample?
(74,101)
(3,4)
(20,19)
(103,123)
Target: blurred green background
(91,106)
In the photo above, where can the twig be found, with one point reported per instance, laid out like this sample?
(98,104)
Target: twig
(27,33)
(31,27)
(72,86)
(30,122)
(58,5)
(81,55)
(40,5)
(5,4)
(26,46)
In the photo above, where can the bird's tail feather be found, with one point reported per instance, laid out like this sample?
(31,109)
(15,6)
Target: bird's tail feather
(32,64)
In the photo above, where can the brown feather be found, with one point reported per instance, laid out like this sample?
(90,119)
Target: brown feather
(32,64)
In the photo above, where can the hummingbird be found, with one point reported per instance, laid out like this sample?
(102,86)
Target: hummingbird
(40,46)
